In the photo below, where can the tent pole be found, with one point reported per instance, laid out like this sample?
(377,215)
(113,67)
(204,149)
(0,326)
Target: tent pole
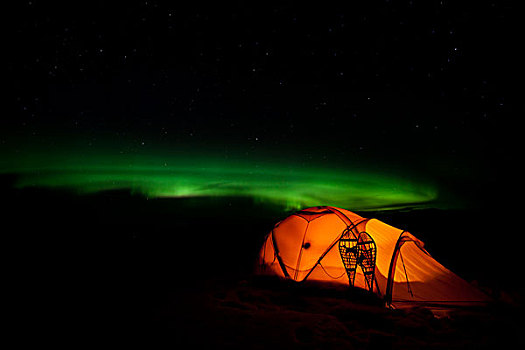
(391,270)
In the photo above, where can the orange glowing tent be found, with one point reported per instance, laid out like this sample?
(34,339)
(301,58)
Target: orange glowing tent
(335,245)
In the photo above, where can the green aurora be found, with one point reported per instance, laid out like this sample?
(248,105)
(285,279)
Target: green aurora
(270,180)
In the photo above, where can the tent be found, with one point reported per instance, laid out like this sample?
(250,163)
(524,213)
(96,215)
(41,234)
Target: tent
(335,245)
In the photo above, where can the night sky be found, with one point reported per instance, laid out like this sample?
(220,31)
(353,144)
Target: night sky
(383,105)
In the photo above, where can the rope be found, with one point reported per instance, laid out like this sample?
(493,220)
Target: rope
(332,277)
(406,275)
(294,269)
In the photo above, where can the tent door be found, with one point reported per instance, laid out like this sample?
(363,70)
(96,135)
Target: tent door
(359,252)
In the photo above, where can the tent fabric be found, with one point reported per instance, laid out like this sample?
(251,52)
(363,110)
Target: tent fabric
(305,246)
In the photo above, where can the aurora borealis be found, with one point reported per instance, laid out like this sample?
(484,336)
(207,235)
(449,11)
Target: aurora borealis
(394,106)
(283,183)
